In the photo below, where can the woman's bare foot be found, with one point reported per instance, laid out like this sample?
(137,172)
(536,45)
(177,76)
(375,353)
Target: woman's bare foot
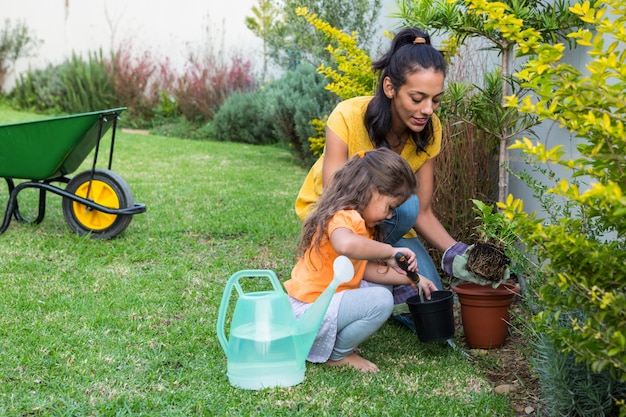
(356,361)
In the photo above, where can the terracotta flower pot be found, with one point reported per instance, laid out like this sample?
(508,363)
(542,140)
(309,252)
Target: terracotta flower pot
(485,313)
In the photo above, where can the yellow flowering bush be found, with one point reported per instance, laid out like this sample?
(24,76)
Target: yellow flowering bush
(352,74)
(584,254)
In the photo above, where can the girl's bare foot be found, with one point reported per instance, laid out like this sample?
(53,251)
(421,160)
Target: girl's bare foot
(356,361)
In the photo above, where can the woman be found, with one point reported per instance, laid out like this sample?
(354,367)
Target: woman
(401,117)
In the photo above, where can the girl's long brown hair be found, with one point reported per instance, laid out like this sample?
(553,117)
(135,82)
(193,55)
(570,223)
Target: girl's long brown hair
(351,188)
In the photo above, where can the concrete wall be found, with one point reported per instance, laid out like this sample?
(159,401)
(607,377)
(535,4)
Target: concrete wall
(165,28)
(550,134)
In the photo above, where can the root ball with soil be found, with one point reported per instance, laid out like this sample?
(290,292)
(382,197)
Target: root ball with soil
(488,260)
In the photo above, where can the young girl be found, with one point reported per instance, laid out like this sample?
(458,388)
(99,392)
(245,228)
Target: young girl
(346,220)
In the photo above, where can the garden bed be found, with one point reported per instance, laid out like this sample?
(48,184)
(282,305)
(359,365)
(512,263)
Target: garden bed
(509,367)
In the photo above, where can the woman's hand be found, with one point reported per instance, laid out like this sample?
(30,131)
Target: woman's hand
(447,261)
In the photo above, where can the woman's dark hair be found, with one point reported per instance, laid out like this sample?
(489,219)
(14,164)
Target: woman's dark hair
(403,58)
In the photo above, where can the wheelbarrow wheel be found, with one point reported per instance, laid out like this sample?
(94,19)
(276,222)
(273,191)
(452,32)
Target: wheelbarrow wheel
(107,189)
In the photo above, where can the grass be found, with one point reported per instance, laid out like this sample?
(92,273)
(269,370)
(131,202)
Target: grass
(127,326)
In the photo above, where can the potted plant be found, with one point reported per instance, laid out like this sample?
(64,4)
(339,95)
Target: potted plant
(487,293)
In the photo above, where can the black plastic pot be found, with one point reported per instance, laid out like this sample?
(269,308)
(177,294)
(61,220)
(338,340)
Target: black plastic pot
(434,318)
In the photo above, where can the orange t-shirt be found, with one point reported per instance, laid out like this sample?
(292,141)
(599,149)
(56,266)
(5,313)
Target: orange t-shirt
(314,271)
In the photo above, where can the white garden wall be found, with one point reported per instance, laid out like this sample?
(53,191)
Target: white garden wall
(168,28)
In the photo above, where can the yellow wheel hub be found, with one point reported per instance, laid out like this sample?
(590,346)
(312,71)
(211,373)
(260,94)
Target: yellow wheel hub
(100,193)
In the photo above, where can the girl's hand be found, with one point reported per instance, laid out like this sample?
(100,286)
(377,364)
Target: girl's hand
(410,261)
(427,286)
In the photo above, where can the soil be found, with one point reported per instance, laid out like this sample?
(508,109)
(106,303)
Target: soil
(508,369)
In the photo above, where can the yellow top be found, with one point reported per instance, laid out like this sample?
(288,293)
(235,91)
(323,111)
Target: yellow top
(314,271)
(347,122)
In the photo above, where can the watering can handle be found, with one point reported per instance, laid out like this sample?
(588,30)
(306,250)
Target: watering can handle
(233,281)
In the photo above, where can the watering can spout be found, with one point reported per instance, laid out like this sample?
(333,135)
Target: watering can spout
(308,325)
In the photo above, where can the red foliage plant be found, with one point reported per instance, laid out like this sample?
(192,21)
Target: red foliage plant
(140,82)
(206,83)
(132,80)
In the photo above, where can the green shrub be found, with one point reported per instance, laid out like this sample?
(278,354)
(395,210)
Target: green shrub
(40,90)
(568,387)
(87,84)
(583,267)
(297,98)
(175,126)
(74,86)
(205,132)
(245,117)
(279,112)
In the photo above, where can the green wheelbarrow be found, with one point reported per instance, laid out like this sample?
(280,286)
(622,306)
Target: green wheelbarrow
(97,202)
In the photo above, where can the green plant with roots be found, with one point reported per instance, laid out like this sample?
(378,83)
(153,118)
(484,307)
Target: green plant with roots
(583,271)
(493,227)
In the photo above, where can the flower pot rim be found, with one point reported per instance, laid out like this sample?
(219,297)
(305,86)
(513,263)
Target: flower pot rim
(470,288)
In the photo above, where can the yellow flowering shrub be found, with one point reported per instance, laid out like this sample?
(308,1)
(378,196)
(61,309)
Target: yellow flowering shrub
(352,74)
(584,255)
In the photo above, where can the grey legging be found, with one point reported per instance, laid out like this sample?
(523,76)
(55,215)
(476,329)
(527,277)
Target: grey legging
(361,313)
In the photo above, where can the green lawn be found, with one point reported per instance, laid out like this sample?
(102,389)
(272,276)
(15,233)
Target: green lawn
(127,326)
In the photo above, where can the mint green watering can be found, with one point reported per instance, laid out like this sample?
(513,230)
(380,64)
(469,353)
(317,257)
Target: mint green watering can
(267,346)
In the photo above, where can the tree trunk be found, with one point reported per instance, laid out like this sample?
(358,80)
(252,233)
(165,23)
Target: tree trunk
(503,173)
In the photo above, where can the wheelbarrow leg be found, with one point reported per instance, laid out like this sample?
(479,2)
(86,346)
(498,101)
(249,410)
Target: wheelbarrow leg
(13,206)
(40,214)
(10,206)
